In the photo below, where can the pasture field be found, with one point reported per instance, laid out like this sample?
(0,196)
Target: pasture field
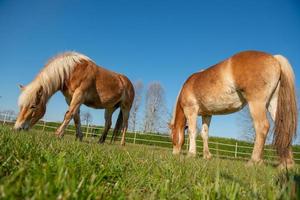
(224,147)
(37,165)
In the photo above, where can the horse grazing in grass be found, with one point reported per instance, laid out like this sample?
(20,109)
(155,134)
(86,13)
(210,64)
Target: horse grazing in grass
(82,82)
(263,81)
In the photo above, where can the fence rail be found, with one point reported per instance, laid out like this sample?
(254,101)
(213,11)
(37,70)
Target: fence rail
(227,150)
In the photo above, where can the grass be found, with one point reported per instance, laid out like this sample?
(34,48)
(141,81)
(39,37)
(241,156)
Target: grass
(224,147)
(36,165)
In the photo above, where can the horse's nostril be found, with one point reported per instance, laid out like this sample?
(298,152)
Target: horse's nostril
(17,129)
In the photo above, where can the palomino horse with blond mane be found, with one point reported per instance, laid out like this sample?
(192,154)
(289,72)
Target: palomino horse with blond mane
(263,81)
(82,82)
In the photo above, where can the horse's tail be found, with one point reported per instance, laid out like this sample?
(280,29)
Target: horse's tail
(287,113)
(118,126)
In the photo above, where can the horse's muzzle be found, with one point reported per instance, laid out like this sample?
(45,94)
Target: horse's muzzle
(21,126)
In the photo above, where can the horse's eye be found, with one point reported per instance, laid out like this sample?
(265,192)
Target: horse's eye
(33,107)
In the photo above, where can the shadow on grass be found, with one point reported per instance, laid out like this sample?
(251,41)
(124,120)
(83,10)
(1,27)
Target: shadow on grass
(289,181)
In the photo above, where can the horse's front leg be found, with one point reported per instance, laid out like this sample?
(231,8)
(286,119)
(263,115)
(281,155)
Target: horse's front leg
(73,109)
(204,134)
(192,114)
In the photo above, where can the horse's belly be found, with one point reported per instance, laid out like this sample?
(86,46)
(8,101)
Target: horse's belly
(98,104)
(222,103)
(101,102)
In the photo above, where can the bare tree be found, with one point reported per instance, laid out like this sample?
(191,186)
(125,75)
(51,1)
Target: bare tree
(246,125)
(86,117)
(155,108)
(138,88)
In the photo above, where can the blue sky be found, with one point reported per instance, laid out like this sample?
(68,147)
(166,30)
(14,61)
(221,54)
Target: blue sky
(161,41)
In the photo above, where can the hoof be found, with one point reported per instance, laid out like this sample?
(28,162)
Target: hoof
(101,141)
(207,156)
(59,136)
(252,163)
(191,155)
(286,166)
(176,151)
(123,142)
(79,136)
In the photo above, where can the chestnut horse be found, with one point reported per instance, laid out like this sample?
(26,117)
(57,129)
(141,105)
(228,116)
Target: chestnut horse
(263,81)
(82,82)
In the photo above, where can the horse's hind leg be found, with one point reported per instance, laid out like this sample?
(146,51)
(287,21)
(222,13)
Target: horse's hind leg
(125,113)
(204,134)
(107,115)
(272,108)
(261,126)
(77,123)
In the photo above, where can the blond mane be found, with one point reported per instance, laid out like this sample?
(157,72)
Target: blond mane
(174,108)
(52,76)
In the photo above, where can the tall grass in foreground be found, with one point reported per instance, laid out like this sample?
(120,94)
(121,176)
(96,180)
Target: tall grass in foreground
(39,166)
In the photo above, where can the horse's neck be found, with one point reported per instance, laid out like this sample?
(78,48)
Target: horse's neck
(180,119)
(49,89)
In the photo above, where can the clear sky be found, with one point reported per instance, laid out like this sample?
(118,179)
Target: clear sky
(153,40)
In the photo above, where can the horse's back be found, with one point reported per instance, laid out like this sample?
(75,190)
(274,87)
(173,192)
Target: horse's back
(255,73)
(102,87)
(213,90)
(225,87)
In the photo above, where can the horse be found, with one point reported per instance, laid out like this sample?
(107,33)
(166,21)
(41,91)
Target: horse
(81,81)
(263,81)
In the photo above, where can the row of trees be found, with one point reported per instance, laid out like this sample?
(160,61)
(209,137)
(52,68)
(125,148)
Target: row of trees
(155,114)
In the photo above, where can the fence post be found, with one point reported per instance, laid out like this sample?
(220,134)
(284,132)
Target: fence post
(87,131)
(5,118)
(217,149)
(44,125)
(235,152)
(187,142)
(134,137)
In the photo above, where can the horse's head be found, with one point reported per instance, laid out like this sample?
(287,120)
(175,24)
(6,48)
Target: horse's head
(177,136)
(32,107)
(173,131)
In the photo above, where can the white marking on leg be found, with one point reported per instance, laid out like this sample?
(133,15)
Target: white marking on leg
(204,135)
(192,114)
(273,103)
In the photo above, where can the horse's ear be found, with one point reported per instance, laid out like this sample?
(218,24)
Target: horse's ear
(22,87)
